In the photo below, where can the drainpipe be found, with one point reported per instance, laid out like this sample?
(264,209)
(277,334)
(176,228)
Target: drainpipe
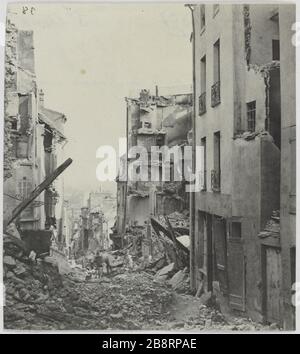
(192,195)
(126,185)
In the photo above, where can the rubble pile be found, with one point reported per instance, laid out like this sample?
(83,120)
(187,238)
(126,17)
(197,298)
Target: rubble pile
(189,313)
(28,283)
(177,219)
(180,282)
(38,297)
(121,302)
(170,264)
(144,241)
(210,319)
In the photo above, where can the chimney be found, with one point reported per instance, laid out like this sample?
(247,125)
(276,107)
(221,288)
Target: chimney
(25,50)
(41,98)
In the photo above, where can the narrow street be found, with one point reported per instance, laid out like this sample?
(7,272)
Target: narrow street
(142,189)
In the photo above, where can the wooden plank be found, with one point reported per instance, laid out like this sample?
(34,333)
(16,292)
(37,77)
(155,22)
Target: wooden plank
(219,232)
(39,189)
(236,274)
(273,265)
(157,226)
(172,233)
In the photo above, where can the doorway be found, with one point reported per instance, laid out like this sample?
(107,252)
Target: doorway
(271,284)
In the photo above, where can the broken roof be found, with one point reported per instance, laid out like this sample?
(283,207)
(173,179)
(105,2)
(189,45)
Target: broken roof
(54,119)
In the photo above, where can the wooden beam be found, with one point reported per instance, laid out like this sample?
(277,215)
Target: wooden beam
(157,226)
(39,189)
(172,233)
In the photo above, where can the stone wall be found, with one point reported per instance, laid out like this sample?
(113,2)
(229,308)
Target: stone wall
(10,86)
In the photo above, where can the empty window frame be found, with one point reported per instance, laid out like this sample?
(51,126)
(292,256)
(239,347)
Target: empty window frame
(236,230)
(217,151)
(203,74)
(216,172)
(251,116)
(202,98)
(215,89)
(275,49)
(203,164)
(202,16)
(217,61)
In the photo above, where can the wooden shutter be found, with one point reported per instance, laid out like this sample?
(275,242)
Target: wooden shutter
(219,232)
(273,284)
(236,274)
(25,188)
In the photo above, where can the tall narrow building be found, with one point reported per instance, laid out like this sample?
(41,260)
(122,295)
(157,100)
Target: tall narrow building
(240,111)
(34,141)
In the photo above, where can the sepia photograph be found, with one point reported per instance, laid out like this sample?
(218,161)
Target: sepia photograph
(149,167)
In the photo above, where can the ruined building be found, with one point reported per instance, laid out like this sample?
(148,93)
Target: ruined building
(34,140)
(93,230)
(152,120)
(242,248)
(106,202)
(95,222)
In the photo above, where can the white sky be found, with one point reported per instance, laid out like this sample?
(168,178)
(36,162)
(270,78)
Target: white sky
(90,56)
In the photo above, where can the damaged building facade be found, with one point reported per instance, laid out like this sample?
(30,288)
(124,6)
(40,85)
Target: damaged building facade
(95,221)
(243,113)
(34,141)
(152,120)
(288,163)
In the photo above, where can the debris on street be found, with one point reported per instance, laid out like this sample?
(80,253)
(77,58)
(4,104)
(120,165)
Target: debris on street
(39,297)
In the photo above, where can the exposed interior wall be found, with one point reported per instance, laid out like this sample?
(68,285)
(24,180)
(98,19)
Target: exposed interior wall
(166,205)
(263,30)
(153,121)
(138,210)
(133,114)
(177,125)
(270,179)
(10,98)
(26,50)
(255,90)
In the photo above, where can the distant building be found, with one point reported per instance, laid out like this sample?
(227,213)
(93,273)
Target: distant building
(244,116)
(95,222)
(93,230)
